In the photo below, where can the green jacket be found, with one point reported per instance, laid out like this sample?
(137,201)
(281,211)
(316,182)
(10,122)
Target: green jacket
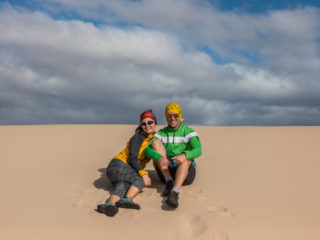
(183,140)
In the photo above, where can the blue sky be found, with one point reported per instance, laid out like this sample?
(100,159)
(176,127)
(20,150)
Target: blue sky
(258,6)
(229,62)
(252,6)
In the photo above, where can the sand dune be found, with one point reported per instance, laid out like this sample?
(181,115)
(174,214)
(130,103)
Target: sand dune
(252,183)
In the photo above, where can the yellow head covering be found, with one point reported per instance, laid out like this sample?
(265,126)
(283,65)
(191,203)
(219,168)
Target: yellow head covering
(174,107)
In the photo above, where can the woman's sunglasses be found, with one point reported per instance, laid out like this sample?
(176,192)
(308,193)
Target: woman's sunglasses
(146,123)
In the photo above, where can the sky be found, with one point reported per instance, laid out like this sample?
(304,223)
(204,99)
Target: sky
(227,63)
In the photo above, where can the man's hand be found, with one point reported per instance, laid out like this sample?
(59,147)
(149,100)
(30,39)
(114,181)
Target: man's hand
(147,180)
(181,158)
(164,162)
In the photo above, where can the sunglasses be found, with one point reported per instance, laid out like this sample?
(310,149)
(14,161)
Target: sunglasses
(146,123)
(175,115)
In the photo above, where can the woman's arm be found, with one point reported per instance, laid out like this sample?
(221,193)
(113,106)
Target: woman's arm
(134,148)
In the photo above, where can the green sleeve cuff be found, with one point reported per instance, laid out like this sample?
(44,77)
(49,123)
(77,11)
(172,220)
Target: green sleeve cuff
(153,154)
(196,149)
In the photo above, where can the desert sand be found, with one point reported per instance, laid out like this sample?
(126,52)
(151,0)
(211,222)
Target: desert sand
(253,183)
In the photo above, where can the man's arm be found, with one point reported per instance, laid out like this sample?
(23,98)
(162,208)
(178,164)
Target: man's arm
(195,150)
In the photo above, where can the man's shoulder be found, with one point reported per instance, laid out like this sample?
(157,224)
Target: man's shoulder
(160,133)
(182,130)
(163,130)
(182,127)
(187,129)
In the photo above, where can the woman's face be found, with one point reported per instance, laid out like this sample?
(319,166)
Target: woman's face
(148,125)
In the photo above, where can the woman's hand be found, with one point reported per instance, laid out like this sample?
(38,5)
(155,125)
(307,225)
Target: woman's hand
(147,180)
(181,158)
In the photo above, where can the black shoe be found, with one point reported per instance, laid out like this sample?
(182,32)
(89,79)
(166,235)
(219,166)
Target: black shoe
(108,209)
(172,200)
(167,190)
(127,203)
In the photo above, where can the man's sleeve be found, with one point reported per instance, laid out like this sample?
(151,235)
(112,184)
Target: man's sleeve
(151,153)
(195,150)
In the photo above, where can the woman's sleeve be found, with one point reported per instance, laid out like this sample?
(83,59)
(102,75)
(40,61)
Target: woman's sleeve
(134,148)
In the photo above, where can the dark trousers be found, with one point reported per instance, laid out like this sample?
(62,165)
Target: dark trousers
(189,179)
(122,176)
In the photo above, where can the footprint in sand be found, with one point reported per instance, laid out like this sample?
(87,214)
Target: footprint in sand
(199,194)
(192,227)
(87,199)
(222,211)
(148,194)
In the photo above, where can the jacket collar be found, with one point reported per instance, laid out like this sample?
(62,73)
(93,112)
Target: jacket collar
(146,135)
(170,129)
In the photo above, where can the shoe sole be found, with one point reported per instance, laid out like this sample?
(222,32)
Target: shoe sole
(127,204)
(172,204)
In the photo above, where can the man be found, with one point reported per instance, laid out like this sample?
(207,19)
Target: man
(174,149)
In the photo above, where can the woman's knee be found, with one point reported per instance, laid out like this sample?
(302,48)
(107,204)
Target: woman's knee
(139,183)
(121,188)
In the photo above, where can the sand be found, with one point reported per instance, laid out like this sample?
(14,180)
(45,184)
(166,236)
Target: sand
(252,183)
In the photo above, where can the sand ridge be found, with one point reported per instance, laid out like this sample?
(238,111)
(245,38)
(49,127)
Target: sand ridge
(252,183)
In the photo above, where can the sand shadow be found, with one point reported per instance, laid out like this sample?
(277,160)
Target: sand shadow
(103,182)
(159,186)
(156,183)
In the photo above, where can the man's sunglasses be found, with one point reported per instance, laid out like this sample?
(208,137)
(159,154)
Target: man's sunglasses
(146,123)
(175,115)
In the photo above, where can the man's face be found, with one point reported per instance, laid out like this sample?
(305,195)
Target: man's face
(173,119)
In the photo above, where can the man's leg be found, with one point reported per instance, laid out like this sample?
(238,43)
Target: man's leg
(182,173)
(180,177)
(158,146)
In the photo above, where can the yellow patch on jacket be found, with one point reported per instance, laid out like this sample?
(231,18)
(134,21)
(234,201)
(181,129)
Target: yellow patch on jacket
(142,159)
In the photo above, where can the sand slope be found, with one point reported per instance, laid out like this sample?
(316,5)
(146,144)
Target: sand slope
(252,183)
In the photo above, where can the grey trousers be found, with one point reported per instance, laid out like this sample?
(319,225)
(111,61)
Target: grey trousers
(122,176)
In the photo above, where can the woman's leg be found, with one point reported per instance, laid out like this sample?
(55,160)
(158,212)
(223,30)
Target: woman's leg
(119,171)
(132,192)
(120,190)
(113,199)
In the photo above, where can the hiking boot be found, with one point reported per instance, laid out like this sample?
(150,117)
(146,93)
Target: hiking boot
(167,190)
(108,209)
(172,200)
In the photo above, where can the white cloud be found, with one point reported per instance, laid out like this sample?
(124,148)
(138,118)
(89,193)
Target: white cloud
(72,71)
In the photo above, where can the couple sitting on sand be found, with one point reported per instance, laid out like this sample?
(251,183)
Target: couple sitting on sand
(172,149)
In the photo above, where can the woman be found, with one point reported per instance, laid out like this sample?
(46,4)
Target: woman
(126,170)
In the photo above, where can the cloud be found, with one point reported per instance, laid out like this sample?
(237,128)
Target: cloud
(72,71)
